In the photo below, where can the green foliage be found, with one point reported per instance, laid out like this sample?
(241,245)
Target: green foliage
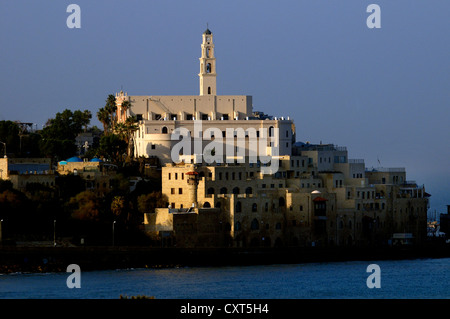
(148,202)
(9,134)
(58,136)
(86,206)
(112,147)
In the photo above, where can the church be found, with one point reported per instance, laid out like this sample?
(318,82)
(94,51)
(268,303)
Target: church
(160,117)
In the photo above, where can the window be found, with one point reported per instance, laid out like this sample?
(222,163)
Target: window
(172,191)
(223,190)
(236,190)
(238,207)
(164,130)
(169,176)
(237,226)
(254,207)
(176,176)
(210,191)
(255,224)
(153,146)
(278,225)
(271,130)
(180,190)
(301,208)
(172,205)
(248,190)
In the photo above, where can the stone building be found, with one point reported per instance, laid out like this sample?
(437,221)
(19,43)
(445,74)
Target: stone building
(204,118)
(238,206)
(24,171)
(289,194)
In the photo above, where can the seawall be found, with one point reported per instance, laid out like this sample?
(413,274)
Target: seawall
(56,259)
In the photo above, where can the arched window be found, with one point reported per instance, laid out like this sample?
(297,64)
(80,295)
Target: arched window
(210,191)
(248,190)
(164,130)
(254,207)
(236,190)
(255,224)
(206,205)
(238,207)
(270,131)
(223,190)
(209,90)
(208,68)
(237,226)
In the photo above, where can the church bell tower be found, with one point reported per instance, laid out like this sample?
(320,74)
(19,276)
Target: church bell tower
(208,66)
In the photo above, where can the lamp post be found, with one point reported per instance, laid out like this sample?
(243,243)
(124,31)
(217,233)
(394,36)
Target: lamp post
(54,233)
(114,222)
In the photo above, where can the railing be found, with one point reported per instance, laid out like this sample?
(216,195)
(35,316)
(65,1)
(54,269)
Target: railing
(356,161)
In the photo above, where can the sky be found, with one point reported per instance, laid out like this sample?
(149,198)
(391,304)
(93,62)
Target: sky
(384,93)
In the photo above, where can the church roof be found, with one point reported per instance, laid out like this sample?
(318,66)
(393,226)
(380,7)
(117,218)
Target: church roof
(207,31)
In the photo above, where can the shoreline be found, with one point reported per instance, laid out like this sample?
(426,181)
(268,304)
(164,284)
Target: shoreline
(56,259)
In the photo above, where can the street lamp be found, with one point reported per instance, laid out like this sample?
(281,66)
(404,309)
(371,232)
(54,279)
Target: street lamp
(114,222)
(4,144)
(54,233)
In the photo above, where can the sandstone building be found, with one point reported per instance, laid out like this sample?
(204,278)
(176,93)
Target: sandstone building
(315,195)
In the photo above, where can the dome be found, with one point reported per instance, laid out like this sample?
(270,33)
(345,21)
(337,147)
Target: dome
(74,159)
(315,192)
(95,159)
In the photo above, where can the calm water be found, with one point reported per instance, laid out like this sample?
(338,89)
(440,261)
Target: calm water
(421,278)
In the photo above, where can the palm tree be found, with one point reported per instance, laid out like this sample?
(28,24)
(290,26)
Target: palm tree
(104,118)
(111,108)
(131,127)
(125,106)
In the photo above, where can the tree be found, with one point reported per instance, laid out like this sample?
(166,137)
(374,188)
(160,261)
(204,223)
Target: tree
(147,203)
(86,206)
(9,134)
(104,118)
(118,206)
(58,136)
(112,147)
(111,108)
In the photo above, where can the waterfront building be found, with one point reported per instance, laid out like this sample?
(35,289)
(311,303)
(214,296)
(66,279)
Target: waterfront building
(24,171)
(316,196)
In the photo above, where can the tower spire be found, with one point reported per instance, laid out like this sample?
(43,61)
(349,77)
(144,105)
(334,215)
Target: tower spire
(207,65)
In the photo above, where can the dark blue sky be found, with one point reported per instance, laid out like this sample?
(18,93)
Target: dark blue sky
(383,93)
